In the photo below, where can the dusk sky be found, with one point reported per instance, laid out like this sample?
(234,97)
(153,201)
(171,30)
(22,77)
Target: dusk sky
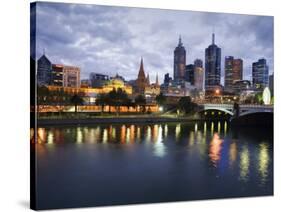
(112,40)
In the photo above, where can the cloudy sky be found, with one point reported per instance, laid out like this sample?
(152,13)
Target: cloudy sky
(112,40)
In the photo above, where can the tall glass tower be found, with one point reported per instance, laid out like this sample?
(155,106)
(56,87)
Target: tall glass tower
(260,74)
(233,71)
(179,62)
(212,65)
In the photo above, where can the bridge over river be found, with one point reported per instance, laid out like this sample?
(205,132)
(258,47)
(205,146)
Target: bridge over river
(245,111)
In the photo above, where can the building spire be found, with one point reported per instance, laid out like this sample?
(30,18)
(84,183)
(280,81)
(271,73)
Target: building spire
(147,79)
(141,64)
(157,82)
(180,43)
(141,71)
(213,38)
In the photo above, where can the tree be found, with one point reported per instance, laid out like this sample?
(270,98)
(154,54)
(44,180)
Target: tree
(258,98)
(102,100)
(118,98)
(186,105)
(140,101)
(161,99)
(42,95)
(76,100)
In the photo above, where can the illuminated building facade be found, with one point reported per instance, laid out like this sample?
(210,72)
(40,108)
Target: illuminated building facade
(57,75)
(90,94)
(212,66)
(233,72)
(152,90)
(85,83)
(112,84)
(116,84)
(179,62)
(71,76)
(260,74)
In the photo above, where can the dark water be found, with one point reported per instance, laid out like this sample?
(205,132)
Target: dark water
(134,163)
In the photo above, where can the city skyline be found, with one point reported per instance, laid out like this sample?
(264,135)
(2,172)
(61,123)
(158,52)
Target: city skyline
(113,39)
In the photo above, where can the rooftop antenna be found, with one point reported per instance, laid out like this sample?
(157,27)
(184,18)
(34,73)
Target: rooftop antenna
(180,43)
(213,36)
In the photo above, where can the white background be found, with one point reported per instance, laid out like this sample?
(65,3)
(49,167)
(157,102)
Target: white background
(14,97)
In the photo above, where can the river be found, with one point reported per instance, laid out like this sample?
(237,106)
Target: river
(111,164)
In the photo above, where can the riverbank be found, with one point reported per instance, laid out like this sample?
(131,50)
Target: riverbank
(116,119)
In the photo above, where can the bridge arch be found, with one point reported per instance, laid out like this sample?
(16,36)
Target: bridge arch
(252,112)
(217,109)
(258,117)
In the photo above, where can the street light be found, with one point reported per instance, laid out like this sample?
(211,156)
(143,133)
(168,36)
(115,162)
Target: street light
(217,91)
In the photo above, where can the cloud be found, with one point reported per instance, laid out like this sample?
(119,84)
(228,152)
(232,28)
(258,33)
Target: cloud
(111,40)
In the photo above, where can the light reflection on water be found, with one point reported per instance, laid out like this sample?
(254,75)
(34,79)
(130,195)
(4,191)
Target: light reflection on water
(215,149)
(264,160)
(244,163)
(232,153)
(214,144)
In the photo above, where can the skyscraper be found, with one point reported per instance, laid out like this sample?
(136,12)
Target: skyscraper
(260,74)
(198,74)
(212,65)
(189,73)
(44,71)
(233,72)
(179,61)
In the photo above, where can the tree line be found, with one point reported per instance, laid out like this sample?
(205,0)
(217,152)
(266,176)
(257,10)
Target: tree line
(58,97)
(116,98)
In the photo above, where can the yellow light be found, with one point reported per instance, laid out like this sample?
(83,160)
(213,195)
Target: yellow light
(50,138)
(166,131)
(178,130)
(212,128)
(217,91)
(232,153)
(219,127)
(105,136)
(244,164)
(263,162)
(205,128)
(79,136)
